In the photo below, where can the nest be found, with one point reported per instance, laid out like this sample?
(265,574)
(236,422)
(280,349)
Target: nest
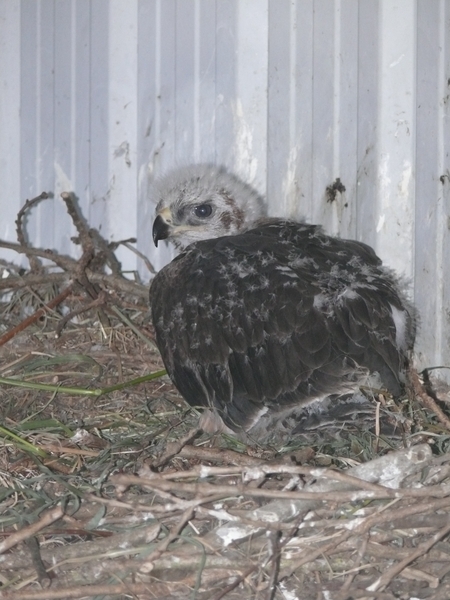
(108,489)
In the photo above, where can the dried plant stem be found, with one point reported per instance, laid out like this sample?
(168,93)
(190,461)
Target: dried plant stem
(173,535)
(427,400)
(158,483)
(235,583)
(363,527)
(34,317)
(82,391)
(38,565)
(387,577)
(48,517)
(34,262)
(81,591)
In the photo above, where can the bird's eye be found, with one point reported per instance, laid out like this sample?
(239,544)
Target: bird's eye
(203,210)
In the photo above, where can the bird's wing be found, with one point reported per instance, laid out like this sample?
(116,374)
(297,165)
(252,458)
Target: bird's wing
(274,317)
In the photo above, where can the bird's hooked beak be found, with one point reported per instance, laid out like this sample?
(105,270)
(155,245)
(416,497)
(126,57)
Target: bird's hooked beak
(161,226)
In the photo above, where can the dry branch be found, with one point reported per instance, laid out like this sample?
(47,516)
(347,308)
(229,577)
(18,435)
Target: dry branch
(33,318)
(47,518)
(387,577)
(427,400)
(34,263)
(87,273)
(82,591)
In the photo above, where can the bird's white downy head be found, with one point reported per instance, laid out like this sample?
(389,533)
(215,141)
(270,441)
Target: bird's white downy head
(201,202)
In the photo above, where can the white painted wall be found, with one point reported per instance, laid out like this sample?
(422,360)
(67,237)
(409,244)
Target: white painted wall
(101,96)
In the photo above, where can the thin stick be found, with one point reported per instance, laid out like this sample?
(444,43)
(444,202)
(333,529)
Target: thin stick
(382,582)
(173,535)
(68,265)
(274,541)
(48,517)
(235,583)
(35,264)
(43,577)
(174,448)
(35,316)
(98,302)
(142,256)
(64,262)
(82,391)
(428,401)
(82,591)
(344,591)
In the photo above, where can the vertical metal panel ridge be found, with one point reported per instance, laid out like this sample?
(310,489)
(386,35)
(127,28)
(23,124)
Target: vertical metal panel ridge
(29,102)
(443,234)
(166,74)
(185,80)
(205,83)
(226,90)
(396,134)
(163,155)
(98,40)
(444,179)
(146,124)
(63,134)
(299,179)
(289,108)
(81,106)
(10,74)
(345,125)
(121,206)
(250,104)
(323,110)
(432,291)
(37,137)
(365,205)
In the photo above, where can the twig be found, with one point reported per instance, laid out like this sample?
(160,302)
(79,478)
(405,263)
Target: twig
(363,527)
(82,391)
(382,582)
(160,484)
(119,284)
(220,455)
(142,256)
(88,237)
(34,263)
(77,220)
(417,575)
(344,592)
(97,302)
(64,262)
(163,482)
(106,253)
(174,448)
(81,591)
(173,535)
(42,574)
(86,259)
(235,583)
(48,517)
(428,401)
(274,540)
(34,317)
(177,506)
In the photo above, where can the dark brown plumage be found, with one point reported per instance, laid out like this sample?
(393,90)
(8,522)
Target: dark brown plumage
(277,323)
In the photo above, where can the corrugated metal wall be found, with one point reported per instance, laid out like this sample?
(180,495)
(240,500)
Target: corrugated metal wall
(101,96)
